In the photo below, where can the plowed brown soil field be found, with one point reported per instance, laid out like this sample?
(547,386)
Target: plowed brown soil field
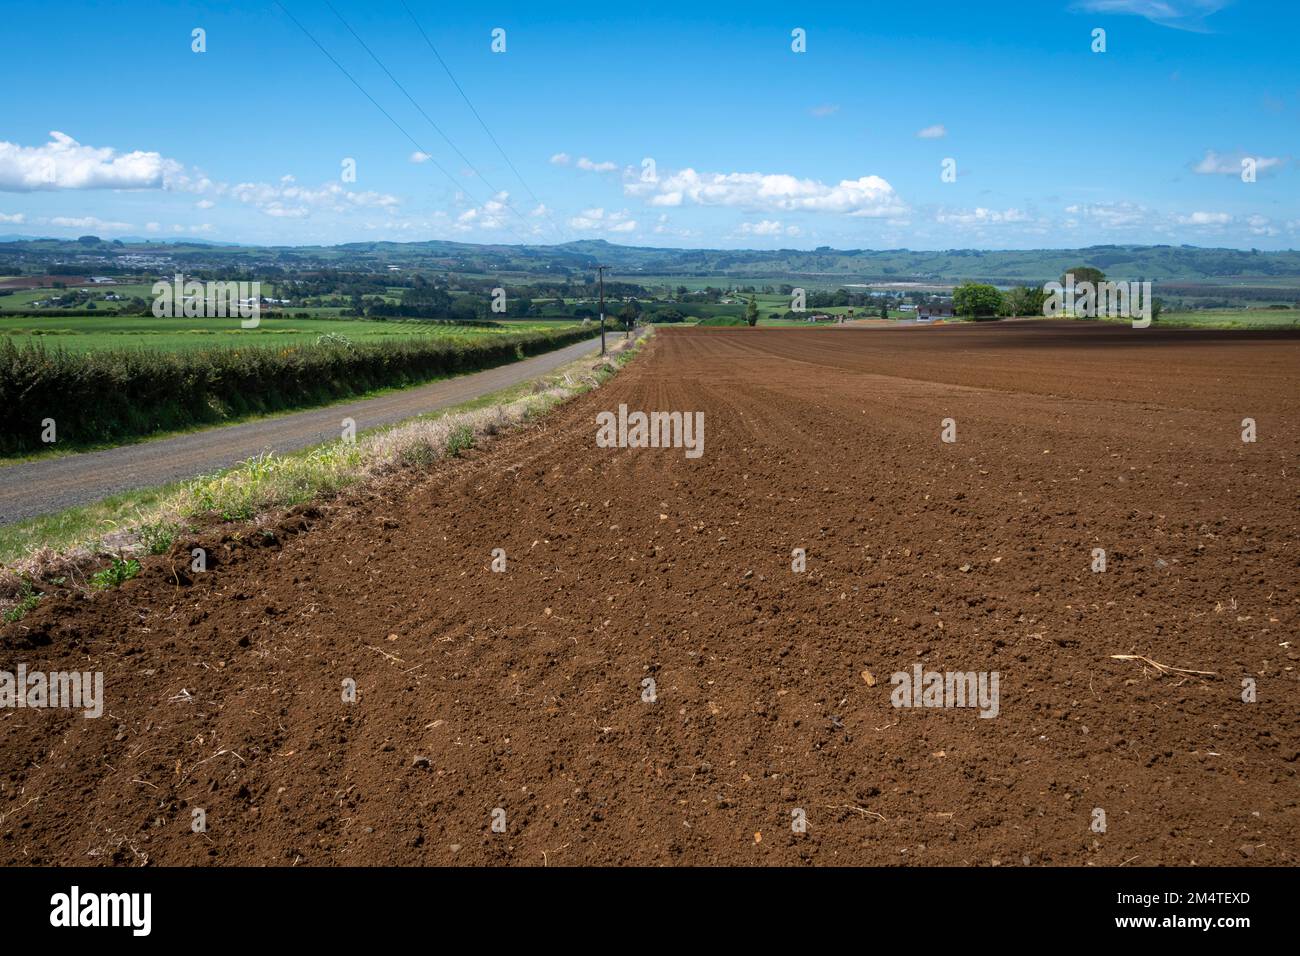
(523,692)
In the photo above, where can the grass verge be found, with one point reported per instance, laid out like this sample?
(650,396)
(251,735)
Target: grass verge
(146,521)
(94,397)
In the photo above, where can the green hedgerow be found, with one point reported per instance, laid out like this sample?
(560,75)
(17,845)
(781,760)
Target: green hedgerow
(115,394)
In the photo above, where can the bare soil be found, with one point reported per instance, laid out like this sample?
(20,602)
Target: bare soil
(524,691)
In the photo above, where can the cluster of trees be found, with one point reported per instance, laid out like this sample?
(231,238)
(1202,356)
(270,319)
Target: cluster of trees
(446,297)
(441,296)
(976,300)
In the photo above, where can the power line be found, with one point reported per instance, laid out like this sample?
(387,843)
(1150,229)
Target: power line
(600,271)
(481,122)
(342,69)
(427,117)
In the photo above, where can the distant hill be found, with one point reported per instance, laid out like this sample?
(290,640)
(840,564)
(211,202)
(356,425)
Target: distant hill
(181,240)
(826,266)
(1188,263)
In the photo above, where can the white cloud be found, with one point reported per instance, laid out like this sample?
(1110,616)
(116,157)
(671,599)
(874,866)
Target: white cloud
(594,167)
(87,222)
(664,227)
(176,178)
(598,220)
(1206,219)
(937,131)
(980,216)
(63,163)
(1215,164)
(277,210)
(767,227)
(436,220)
(1179,14)
(865,196)
(1261,226)
(287,200)
(419,157)
(827,109)
(490,215)
(15,217)
(1146,224)
(1112,215)
(560,159)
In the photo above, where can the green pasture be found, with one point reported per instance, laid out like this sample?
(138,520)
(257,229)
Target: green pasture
(97,333)
(1231,319)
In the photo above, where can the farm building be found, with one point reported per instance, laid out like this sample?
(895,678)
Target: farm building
(941,310)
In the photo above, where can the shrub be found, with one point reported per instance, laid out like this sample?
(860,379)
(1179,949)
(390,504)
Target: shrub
(461,439)
(27,600)
(115,574)
(117,394)
(157,536)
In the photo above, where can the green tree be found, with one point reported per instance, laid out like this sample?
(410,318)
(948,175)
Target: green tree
(629,313)
(884,310)
(975,300)
(751,312)
(427,299)
(1084,274)
(1023,300)
(466,308)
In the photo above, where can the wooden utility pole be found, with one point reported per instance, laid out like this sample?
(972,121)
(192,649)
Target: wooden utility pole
(600,270)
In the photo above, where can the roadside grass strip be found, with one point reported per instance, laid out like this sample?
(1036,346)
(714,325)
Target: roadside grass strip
(69,544)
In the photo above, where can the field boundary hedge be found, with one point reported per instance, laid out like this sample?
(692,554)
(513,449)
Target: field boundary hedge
(112,395)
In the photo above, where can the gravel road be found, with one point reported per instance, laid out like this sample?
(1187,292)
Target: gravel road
(42,487)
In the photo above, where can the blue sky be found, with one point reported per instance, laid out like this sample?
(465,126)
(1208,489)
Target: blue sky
(120,129)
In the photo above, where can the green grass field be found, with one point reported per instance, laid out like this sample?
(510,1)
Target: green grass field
(1232,319)
(21,299)
(94,333)
(774,304)
(1238,319)
(1200,319)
